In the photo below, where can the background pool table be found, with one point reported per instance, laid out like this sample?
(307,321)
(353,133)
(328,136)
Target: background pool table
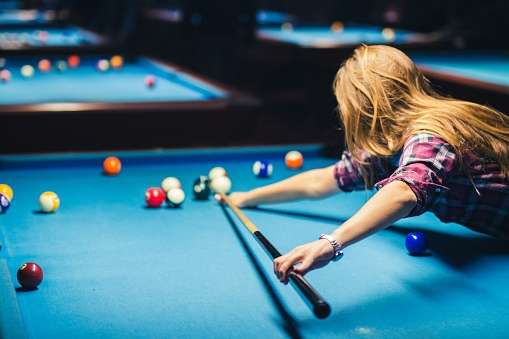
(181,106)
(14,40)
(488,71)
(116,269)
(82,85)
(25,17)
(325,37)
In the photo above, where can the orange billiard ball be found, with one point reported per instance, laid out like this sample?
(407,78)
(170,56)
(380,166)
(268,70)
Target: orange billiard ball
(44,65)
(116,61)
(294,160)
(112,166)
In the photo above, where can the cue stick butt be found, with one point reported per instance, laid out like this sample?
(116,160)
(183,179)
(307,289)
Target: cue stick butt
(320,307)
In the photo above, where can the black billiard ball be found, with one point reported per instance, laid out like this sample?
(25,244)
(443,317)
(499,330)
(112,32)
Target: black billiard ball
(201,188)
(30,275)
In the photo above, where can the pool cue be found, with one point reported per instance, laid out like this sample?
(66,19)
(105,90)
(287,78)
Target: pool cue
(320,307)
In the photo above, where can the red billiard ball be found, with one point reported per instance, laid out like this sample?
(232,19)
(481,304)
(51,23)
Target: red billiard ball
(30,275)
(150,81)
(5,75)
(154,197)
(73,61)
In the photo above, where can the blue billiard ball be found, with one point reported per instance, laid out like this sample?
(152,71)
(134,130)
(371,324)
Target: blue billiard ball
(4,203)
(416,243)
(262,169)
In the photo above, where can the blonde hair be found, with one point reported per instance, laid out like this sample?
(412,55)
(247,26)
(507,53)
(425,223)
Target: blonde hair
(383,99)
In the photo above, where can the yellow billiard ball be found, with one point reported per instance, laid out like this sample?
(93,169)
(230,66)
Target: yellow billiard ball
(7,191)
(49,202)
(389,34)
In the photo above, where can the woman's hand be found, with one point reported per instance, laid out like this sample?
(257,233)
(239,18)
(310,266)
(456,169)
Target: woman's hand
(307,257)
(239,199)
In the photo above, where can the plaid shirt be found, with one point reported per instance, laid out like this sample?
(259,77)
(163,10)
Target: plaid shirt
(431,169)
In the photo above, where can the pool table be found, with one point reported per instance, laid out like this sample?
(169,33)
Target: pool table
(116,104)
(339,36)
(48,39)
(114,268)
(488,71)
(27,17)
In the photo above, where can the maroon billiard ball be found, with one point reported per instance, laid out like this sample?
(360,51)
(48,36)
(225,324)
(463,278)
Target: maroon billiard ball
(154,197)
(150,81)
(29,275)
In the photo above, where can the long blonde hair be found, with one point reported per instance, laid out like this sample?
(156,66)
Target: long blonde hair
(383,99)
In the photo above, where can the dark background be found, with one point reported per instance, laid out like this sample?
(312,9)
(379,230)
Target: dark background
(216,40)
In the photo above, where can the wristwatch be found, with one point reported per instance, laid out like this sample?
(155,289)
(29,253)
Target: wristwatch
(335,246)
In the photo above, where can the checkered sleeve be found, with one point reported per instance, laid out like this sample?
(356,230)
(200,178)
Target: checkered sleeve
(424,165)
(348,171)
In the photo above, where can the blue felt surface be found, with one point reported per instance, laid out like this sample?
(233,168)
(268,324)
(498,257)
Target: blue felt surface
(69,36)
(268,18)
(116,269)
(87,84)
(323,36)
(23,17)
(490,68)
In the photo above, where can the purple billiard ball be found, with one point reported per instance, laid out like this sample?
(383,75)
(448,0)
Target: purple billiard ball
(416,243)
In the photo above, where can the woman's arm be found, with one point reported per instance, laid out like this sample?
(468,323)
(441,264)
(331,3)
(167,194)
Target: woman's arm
(393,202)
(313,184)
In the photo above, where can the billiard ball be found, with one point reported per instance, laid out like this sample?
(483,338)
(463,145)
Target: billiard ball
(294,159)
(287,26)
(262,169)
(336,26)
(217,172)
(116,61)
(5,75)
(27,71)
(154,197)
(73,61)
(42,36)
(201,188)
(175,197)
(61,65)
(49,202)
(389,34)
(416,243)
(150,81)
(103,65)
(112,166)
(221,185)
(7,191)
(169,183)
(5,203)
(30,275)
(44,65)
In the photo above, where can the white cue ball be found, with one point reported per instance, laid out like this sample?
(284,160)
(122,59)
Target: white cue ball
(170,182)
(217,172)
(221,185)
(176,197)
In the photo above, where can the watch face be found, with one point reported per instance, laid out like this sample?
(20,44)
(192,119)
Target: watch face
(338,256)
